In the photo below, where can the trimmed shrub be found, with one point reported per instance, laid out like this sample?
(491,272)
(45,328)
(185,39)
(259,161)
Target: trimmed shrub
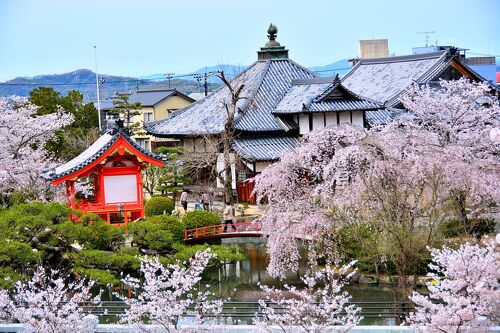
(150,236)
(200,218)
(158,206)
(24,221)
(171,223)
(97,234)
(115,261)
(17,254)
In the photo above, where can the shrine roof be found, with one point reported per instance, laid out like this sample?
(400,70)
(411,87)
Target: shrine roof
(95,152)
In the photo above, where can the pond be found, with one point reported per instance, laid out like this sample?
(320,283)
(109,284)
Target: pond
(238,282)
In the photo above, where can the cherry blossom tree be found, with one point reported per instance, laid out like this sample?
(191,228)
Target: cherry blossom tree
(464,294)
(404,178)
(49,303)
(464,117)
(168,293)
(313,309)
(22,155)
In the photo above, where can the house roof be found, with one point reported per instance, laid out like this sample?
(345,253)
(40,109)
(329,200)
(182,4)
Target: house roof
(263,148)
(147,97)
(316,96)
(95,152)
(385,79)
(265,83)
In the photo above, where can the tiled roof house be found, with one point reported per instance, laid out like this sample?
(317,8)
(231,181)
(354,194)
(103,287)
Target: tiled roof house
(283,100)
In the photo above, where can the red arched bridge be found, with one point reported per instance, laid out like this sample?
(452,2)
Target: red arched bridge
(238,229)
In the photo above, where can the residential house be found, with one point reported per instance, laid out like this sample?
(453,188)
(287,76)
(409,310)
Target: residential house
(156,104)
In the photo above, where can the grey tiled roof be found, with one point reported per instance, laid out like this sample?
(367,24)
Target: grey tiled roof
(92,153)
(276,81)
(150,97)
(299,97)
(145,97)
(313,96)
(263,148)
(265,83)
(384,79)
(381,116)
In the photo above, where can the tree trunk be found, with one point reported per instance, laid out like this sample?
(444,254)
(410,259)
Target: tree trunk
(228,175)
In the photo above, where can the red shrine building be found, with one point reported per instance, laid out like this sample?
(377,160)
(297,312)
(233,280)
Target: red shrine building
(112,167)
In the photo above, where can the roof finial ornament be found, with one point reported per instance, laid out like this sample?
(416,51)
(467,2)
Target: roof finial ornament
(272,31)
(272,49)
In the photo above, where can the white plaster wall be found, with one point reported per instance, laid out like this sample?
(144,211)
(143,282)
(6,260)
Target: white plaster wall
(331,118)
(357,118)
(318,120)
(345,117)
(303,123)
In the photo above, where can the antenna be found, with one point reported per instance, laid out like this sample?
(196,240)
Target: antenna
(427,37)
(97,89)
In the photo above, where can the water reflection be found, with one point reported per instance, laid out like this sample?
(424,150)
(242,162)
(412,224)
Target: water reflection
(239,281)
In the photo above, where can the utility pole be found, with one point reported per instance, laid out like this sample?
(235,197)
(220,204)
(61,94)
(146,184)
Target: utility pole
(206,84)
(169,76)
(97,90)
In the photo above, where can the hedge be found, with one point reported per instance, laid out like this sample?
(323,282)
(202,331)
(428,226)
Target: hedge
(158,206)
(200,218)
(171,223)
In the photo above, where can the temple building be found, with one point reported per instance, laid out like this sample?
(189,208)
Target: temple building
(111,167)
(281,101)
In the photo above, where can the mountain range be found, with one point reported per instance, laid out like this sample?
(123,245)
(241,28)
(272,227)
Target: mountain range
(85,81)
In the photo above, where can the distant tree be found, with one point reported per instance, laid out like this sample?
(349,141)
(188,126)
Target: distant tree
(218,147)
(75,137)
(123,108)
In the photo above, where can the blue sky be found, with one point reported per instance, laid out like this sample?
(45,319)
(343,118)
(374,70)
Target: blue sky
(143,37)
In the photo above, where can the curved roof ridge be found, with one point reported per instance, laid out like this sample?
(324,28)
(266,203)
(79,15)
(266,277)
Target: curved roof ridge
(343,78)
(436,64)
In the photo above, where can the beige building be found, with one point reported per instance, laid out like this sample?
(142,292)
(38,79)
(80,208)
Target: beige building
(373,48)
(156,104)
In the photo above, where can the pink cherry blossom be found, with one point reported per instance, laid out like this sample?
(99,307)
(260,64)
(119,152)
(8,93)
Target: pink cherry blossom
(464,294)
(22,157)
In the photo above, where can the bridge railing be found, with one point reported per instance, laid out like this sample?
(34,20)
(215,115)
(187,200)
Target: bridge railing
(213,231)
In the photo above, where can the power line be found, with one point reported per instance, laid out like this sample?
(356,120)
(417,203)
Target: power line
(193,75)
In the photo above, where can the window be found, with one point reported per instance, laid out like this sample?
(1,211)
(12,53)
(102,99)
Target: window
(141,142)
(148,116)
